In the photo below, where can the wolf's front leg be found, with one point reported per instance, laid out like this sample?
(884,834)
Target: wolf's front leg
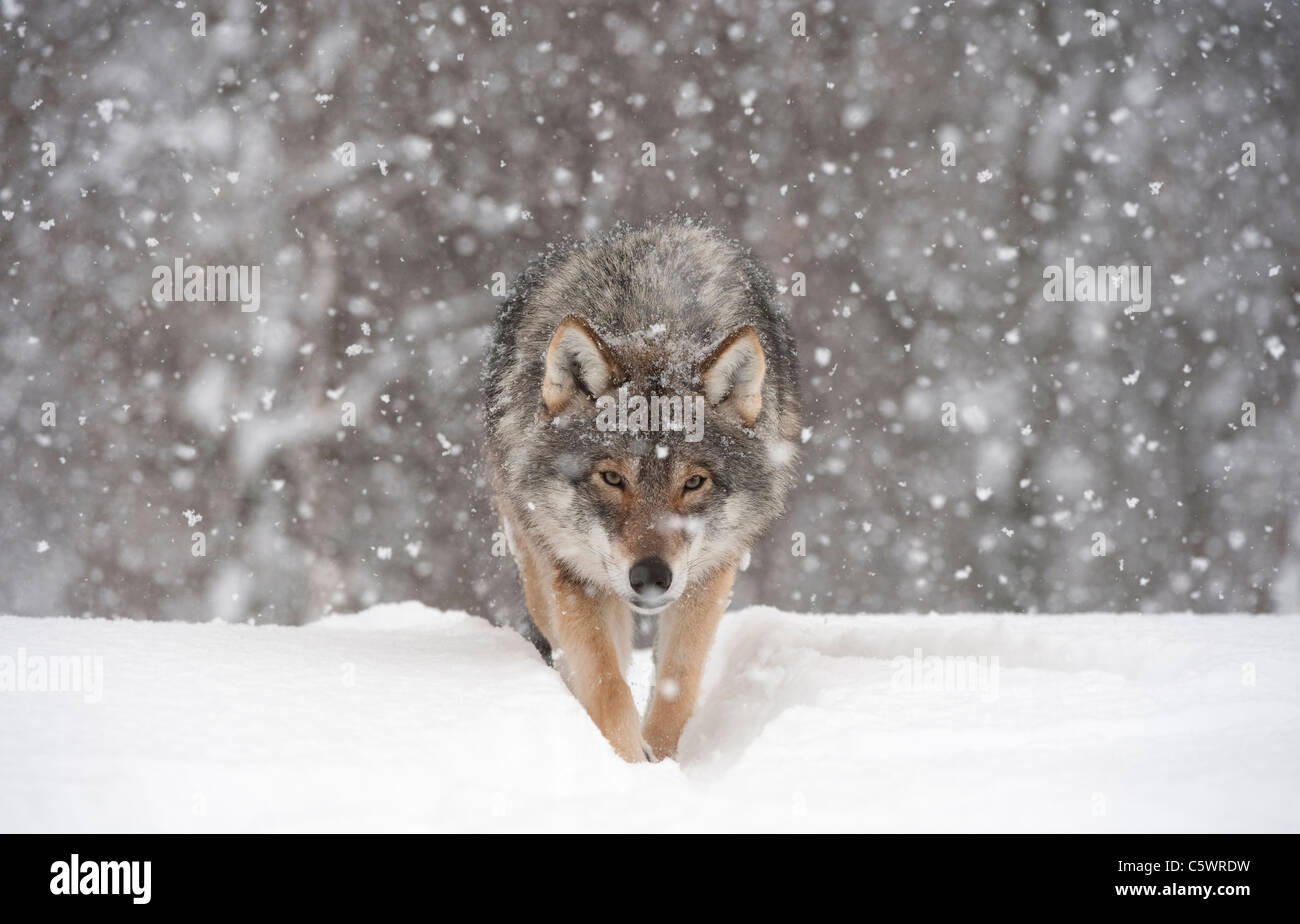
(595,633)
(686,632)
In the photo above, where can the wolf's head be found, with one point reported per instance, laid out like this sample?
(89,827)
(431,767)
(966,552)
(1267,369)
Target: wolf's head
(663,473)
(642,408)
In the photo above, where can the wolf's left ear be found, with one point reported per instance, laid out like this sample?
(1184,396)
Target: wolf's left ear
(577,362)
(733,375)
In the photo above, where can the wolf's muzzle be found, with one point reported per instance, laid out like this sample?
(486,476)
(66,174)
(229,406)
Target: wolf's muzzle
(650,579)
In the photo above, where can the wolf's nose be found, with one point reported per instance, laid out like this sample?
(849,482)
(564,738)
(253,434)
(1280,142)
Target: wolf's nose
(650,577)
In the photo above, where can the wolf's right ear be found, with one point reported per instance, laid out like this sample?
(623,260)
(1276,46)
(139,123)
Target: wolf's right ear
(577,363)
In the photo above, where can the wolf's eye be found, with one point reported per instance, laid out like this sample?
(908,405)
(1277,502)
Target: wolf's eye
(613,479)
(694,483)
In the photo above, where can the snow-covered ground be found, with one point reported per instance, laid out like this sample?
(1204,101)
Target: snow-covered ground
(407,718)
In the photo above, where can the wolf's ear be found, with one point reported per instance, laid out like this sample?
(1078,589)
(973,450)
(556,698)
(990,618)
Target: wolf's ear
(733,375)
(577,363)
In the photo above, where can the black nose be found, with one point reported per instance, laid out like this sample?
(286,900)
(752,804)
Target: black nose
(650,577)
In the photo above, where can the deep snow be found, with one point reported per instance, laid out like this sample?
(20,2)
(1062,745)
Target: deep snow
(407,718)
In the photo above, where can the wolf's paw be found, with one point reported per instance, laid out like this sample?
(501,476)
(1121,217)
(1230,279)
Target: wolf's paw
(657,754)
(660,735)
(633,752)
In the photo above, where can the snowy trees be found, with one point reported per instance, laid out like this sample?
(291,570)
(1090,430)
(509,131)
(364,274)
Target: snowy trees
(920,169)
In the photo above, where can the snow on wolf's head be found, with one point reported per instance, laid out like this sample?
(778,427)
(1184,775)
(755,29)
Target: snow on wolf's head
(641,408)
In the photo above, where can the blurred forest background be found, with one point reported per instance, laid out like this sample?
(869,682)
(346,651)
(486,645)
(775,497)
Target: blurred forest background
(823,152)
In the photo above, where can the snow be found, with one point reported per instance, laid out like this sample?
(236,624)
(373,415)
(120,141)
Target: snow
(404,718)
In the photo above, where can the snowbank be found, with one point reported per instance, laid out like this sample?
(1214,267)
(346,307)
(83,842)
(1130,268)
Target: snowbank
(406,718)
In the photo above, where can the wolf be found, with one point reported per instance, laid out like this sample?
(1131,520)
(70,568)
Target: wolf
(605,521)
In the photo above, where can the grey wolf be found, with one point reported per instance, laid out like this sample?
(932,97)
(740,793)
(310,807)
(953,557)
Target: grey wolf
(604,521)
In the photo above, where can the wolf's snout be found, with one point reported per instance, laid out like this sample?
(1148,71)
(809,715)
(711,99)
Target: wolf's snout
(650,577)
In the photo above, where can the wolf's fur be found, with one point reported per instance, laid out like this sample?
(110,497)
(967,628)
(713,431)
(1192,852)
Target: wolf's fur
(671,308)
